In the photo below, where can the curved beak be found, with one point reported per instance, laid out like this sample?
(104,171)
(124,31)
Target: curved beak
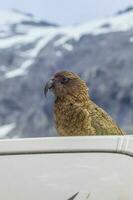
(48,86)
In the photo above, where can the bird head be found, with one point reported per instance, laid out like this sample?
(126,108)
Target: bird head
(65,85)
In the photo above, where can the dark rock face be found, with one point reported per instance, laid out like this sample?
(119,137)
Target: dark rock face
(32,53)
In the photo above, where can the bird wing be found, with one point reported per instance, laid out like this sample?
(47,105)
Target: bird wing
(102,122)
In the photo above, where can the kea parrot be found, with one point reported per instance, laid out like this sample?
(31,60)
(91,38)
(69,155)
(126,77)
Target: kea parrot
(75,113)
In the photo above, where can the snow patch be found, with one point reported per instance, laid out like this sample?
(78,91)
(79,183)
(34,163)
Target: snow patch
(42,36)
(31,36)
(20,71)
(5,129)
(60,41)
(102,26)
(7,43)
(48,35)
(116,23)
(9,17)
(68,47)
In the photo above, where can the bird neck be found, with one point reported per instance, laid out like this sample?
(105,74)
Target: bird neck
(71,99)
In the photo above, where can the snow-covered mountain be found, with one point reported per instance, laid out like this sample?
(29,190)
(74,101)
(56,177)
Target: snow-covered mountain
(101,52)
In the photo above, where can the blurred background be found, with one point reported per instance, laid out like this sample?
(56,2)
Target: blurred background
(39,38)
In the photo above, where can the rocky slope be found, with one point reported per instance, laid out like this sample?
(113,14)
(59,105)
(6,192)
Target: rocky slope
(101,52)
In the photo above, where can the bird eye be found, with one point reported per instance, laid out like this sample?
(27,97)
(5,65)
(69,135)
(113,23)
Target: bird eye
(64,80)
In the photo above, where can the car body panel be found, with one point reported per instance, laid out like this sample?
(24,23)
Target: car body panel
(67,168)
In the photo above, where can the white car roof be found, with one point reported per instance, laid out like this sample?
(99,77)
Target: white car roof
(118,144)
